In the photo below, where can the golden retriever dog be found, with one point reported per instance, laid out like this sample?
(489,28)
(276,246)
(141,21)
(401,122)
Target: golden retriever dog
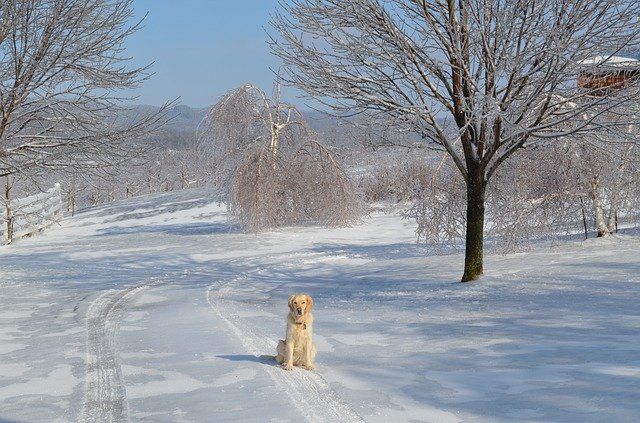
(298,348)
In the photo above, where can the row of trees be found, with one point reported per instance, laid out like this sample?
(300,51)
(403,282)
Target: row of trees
(478,80)
(545,191)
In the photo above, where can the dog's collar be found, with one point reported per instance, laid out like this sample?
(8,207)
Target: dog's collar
(304,325)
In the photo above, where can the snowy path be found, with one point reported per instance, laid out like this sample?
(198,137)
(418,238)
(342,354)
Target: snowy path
(105,396)
(105,386)
(308,391)
(158,309)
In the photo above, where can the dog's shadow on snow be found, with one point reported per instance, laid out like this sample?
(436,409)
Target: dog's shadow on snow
(264,359)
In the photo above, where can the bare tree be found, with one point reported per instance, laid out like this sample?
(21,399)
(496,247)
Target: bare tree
(271,166)
(501,70)
(63,73)
(607,173)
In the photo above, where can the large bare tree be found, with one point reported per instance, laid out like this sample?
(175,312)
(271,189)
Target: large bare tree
(502,71)
(63,75)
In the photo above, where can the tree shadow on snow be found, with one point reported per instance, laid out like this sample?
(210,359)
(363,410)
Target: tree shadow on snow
(181,229)
(379,251)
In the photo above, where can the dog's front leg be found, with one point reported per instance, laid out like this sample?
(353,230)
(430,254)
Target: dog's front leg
(288,364)
(308,357)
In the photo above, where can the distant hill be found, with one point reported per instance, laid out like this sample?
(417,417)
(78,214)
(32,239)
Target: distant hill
(323,123)
(180,130)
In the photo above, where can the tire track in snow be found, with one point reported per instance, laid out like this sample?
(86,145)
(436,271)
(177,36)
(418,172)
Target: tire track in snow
(308,391)
(105,396)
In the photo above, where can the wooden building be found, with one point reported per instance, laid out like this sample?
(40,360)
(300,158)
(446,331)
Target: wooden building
(603,74)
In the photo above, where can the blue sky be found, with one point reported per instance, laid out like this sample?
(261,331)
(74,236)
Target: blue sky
(202,48)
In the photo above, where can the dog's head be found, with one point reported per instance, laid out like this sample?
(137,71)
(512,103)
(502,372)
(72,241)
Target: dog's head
(300,305)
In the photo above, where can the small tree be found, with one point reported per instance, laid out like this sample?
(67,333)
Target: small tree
(269,164)
(502,71)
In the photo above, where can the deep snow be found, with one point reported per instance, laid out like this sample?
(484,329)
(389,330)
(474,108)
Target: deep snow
(159,309)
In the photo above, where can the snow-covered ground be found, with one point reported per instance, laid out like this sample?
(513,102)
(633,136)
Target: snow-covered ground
(158,309)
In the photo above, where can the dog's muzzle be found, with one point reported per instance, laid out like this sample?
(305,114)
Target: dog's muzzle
(299,311)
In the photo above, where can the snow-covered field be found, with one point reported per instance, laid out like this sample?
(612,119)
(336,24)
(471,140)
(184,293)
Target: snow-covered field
(158,309)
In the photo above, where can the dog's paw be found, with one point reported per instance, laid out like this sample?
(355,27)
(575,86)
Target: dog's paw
(287,366)
(310,367)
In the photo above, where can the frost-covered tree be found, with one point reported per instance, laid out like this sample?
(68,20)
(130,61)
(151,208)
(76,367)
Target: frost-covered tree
(63,79)
(502,71)
(271,166)
(608,173)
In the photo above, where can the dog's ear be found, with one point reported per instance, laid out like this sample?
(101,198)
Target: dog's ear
(310,302)
(291,298)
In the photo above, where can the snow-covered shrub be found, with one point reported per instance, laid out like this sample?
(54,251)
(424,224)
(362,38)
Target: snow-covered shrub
(439,209)
(398,182)
(534,197)
(292,188)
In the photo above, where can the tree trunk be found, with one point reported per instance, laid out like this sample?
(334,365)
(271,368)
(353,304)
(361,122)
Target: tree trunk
(473,260)
(601,224)
(9,211)
(612,220)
